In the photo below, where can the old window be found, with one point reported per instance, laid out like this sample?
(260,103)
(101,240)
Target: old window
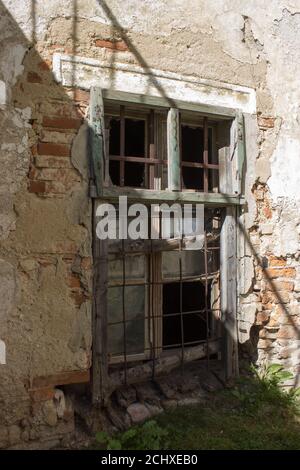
(154,298)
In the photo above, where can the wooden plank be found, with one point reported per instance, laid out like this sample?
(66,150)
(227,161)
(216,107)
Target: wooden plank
(228,275)
(225,174)
(100,331)
(97,137)
(215,199)
(163,365)
(174,170)
(61,378)
(241,152)
(160,102)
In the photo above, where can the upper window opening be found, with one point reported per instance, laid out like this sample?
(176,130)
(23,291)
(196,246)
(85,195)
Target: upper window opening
(199,162)
(137,149)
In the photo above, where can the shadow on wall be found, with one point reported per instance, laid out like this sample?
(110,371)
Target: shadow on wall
(50,172)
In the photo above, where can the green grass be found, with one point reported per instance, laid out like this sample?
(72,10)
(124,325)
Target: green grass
(255,414)
(214,427)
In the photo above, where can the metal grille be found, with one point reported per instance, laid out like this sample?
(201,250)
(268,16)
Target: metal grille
(206,162)
(153,283)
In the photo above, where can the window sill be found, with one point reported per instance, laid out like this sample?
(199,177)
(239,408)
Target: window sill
(153,196)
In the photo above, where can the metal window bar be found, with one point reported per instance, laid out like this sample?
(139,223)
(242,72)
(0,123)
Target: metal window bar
(124,314)
(151,162)
(153,316)
(122,145)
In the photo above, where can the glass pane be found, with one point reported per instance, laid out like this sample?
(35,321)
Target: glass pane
(134,316)
(135,268)
(192,264)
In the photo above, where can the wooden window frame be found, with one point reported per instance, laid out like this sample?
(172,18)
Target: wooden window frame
(231,160)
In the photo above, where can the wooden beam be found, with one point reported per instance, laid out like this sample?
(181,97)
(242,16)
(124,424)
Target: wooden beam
(61,378)
(165,102)
(241,152)
(148,195)
(228,275)
(100,354)
(163,365)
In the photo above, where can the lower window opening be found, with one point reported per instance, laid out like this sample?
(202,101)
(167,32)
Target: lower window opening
(190,328)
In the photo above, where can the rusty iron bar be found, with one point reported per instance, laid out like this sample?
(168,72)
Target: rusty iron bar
(153,317)
(180,306)
(124,317)
(122,145)
(206,292)
(205,155)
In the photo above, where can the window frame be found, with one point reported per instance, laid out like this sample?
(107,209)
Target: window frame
(232,167)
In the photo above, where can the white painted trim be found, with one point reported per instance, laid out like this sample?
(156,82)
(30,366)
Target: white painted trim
(85,72)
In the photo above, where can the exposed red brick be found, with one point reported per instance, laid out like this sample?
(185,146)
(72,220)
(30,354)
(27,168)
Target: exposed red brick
(57,188)
(265,343)
(45,161)
(288,332)
(267,211)
(33,77)
(36,186)
(47,262)
(32,172)
(41,394)
(81,95)
(281,285)
(45,65)
(275,262)
(262,317)
(61,122)
(79,297)
(274,321)
(113,45)
(65,247)
(34,150)
(280,272)
(86,263)
(266,122)
(73,281)
(48,148)
(267,297)
(68,259)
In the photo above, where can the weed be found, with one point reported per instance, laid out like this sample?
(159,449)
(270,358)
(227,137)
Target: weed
(148,436)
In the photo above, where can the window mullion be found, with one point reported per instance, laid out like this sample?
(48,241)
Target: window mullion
(173,150)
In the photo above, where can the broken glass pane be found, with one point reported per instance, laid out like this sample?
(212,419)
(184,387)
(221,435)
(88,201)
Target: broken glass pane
(135,301)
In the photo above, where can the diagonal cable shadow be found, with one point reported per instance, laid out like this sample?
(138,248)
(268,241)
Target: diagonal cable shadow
(117,26)
(161,90)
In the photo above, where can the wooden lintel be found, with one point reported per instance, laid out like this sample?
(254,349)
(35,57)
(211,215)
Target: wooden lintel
(61,378)
(153,196)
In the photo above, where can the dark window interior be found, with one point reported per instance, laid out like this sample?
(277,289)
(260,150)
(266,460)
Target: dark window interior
(114,137)
(199,161)
(192,144)
(134,172)
(134,138)
(194,324)
(192,178)
(192,150)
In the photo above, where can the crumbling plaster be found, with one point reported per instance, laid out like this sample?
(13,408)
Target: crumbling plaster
(46,240)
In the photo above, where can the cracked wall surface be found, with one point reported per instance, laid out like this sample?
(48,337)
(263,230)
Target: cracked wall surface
(45,212)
